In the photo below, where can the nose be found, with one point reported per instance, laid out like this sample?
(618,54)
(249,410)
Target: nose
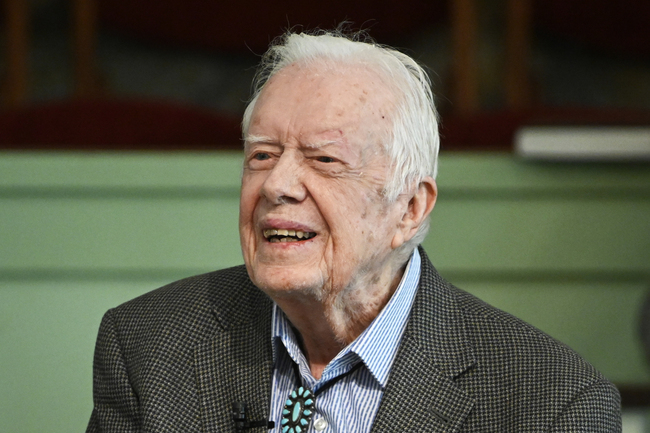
(284,183)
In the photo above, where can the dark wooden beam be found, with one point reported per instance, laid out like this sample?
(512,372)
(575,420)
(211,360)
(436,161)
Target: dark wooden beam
(14,86)
(464,29)
(518,40)
(84,36)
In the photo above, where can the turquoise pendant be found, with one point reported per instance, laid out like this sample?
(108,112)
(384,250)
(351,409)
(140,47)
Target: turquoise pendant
(298,410)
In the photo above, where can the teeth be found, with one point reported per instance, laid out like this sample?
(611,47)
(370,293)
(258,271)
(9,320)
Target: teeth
(271,233)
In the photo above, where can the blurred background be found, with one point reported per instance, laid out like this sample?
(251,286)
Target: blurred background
(120,162)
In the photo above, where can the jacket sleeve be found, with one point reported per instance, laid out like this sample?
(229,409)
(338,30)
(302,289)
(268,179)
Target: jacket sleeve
(596,409)
(116,407)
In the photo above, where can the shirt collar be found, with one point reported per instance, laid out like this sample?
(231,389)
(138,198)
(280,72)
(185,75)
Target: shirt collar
(377,344)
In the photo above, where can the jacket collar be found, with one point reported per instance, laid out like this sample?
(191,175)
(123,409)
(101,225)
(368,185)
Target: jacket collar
(421,394)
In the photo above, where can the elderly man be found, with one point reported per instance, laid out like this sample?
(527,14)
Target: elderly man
(338,322)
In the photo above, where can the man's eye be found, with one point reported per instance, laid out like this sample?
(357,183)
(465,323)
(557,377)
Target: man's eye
(261,156)
(325,159)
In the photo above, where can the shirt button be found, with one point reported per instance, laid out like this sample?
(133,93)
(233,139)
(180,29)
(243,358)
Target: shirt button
(320,424)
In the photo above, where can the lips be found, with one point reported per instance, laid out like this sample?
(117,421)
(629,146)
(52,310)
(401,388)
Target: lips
(286,235)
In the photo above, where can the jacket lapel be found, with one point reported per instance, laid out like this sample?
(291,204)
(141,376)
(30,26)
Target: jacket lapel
(421,394)
(235,363)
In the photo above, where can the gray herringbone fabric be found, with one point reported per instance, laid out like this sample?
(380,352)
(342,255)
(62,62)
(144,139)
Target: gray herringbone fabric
(175,359)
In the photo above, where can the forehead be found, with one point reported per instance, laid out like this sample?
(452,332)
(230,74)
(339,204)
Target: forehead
(318,97)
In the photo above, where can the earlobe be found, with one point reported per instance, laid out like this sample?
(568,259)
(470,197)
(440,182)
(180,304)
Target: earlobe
(417,210)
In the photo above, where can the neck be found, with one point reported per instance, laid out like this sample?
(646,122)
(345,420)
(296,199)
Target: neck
(316,337)
(327,325)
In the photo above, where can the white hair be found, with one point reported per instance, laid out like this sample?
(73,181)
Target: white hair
(412,143)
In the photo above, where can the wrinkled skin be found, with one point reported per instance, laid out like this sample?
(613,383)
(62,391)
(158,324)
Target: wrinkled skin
(314,163)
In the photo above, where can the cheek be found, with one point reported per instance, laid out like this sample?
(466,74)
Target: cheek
(350,217)
(249,197)
(246,218)
(245,210)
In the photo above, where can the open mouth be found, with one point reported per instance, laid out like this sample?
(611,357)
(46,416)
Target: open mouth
(282,235)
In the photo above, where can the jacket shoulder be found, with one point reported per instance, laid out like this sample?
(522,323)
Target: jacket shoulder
(190,309)
(514,358)
(208,293)
(503,337)
(509,367)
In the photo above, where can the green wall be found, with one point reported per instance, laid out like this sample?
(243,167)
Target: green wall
(564,246)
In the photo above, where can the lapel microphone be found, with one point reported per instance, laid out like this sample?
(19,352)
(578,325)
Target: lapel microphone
(241,420)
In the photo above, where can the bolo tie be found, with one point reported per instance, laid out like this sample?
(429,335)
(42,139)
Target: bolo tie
(299,407)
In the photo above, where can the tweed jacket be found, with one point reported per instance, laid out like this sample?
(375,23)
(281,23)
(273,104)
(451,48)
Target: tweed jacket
(175,359)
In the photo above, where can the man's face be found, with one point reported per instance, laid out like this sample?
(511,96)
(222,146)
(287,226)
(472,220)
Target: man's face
(312,216)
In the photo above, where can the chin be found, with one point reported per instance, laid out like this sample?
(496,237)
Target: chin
(282,283)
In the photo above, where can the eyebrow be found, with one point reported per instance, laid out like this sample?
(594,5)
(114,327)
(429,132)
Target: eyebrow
(317,144)
(255,139)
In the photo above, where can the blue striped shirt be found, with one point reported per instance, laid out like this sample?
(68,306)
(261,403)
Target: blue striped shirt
(351,403)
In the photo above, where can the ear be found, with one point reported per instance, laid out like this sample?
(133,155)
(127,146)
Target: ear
(418,209)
